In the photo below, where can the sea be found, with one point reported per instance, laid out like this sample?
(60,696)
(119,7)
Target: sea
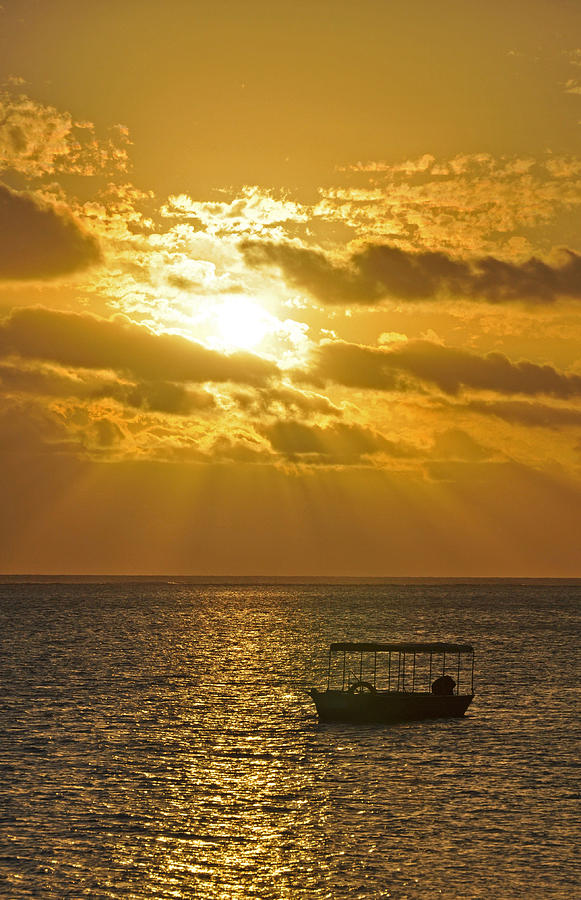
(157,740)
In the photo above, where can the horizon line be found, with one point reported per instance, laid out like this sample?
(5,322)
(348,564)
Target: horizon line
(169,578)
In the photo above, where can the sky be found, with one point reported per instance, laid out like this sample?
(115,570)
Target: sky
(290,288)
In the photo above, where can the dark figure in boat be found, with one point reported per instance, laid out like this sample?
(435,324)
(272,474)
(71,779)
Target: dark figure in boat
(443,686)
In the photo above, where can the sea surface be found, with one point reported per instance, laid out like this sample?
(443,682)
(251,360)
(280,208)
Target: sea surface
(158,741)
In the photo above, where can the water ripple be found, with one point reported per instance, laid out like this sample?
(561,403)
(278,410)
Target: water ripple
(158,742)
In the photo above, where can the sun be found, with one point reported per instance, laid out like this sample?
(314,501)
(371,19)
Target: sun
(240,323)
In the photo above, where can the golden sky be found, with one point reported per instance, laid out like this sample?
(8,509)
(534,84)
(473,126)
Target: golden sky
(290,288)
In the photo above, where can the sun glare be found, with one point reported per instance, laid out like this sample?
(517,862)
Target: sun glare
(241,324)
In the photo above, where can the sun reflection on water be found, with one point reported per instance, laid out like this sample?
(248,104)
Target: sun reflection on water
(166,748)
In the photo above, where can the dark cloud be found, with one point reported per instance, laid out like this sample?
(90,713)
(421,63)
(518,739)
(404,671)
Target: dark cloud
(89,342)
(272,400)
(356,366)
(450,369)
(519,412)
(44,381)
(247,451)
(39,241)
(29,430)
(336,444)
(17,379)
(454,443)
(381,271)
(107,433)
(165,397)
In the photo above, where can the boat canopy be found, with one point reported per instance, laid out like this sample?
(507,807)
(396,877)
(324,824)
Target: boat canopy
(403,647)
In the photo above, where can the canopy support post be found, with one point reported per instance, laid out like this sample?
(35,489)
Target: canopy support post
(444,658)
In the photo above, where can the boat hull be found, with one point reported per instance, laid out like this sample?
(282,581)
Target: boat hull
(387,706)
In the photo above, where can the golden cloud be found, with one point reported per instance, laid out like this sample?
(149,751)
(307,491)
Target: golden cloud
(253,212)
(38,140)
(470,204)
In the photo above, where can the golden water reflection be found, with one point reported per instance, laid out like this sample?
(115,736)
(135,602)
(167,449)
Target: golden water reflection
(160,743)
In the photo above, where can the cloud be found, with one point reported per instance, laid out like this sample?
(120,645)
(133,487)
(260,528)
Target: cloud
(356,366)
(245,450)
(38,140)
(107,433)
(537,415)
(382,271)
(40,241)
(253,212)
(473,204)
(85,341)
(165,397)
(572,86)
(47,381)
(26,429)
(339,443)
(277,399)
(454,443)
(450,369)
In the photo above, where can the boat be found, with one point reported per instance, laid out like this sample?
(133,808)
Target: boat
(391,682)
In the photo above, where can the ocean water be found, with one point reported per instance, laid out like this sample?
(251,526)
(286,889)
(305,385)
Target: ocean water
(158,741)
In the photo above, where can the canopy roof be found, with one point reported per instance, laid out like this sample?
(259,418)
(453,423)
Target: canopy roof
(405,647)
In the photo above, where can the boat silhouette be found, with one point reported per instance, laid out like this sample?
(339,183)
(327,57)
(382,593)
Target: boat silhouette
(402,686)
